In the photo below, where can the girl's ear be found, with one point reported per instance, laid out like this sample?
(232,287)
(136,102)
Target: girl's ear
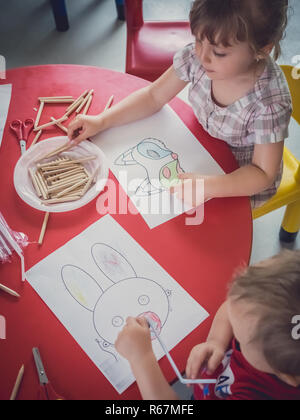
(265,51)
(81,286)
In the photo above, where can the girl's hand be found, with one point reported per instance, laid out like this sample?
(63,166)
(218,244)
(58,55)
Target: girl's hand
(192,189)
(84,126)
(134,341)
(204,357)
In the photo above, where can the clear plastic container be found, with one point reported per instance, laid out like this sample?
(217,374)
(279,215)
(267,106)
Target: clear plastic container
(23,183)
(10,241)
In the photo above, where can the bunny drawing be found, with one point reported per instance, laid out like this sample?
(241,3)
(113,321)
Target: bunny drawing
(118,293)
(160,163)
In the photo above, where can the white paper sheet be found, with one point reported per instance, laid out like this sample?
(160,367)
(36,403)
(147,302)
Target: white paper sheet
(5,95)
(142,155)
(98,279)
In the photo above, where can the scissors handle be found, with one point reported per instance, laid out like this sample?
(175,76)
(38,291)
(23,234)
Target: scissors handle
(16,127)
(27,127)
(46,392)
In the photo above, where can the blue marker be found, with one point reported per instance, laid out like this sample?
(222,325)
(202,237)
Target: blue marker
(175,368)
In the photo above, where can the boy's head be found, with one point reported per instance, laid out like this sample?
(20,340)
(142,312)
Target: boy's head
(262,303)
(237,30)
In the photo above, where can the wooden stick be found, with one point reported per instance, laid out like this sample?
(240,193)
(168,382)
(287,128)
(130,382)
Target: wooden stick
(46,169)
(85,101)
(90,181)
(77,174)
(43,98)
(74,106)
(58,101)
(88,104)
(58,171)
(85,159)
(44,195)
(62,164)
(35,184)
(64,192)
(36,138)
(61,200)
(64,184)
(55,162)
(17,384)
(79,99)
(9,291)
(37,120)
(64,118)
(41,185)
(62,127)
(42,234)
(59,188)
(65,174)
(60,149)
(109,102)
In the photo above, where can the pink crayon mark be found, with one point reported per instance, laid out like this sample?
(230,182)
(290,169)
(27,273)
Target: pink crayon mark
(167,173)
(179,169)
(112,261)
(174,156)
(155,318)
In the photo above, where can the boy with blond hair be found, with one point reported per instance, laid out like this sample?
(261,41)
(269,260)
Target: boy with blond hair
(251,349)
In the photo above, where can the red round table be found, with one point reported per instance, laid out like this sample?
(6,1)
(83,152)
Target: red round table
(202,259)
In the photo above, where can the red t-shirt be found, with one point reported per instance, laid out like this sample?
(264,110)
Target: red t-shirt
(238,380)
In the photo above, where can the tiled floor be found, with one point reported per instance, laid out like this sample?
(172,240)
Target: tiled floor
(96,37)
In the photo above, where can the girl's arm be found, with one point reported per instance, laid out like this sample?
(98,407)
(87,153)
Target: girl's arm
(250,179)
(245,181)
(136,106)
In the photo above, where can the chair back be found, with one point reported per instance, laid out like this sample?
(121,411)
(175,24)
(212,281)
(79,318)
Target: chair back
(290,73)
(134,14)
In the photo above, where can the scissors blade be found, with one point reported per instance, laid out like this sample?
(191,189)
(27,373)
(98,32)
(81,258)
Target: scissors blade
(39,366)
(23,146)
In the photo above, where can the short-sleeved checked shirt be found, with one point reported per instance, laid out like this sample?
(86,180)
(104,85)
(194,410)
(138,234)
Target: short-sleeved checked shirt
(260,117)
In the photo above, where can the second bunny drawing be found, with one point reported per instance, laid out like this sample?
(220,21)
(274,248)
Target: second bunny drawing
(110,303)
(92,285)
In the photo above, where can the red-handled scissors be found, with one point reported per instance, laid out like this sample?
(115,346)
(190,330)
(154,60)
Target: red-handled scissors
(46,391)
(22,130)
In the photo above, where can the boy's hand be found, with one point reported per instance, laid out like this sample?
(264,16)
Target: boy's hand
(83,126)
(206,356)
(134,341)
(191,189)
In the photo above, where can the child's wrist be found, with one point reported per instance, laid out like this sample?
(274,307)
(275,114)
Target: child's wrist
(217,343)
(211,187)
(143,361)
(100,121)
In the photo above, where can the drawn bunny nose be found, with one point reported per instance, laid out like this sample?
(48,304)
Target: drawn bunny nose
(156,320)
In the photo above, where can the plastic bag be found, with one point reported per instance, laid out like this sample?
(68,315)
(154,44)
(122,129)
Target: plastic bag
(10,241)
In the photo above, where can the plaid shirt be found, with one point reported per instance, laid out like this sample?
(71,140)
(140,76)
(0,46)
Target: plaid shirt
(260,117)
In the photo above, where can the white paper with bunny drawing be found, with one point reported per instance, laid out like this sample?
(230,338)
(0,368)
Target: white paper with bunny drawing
(98,279)
(146,157)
